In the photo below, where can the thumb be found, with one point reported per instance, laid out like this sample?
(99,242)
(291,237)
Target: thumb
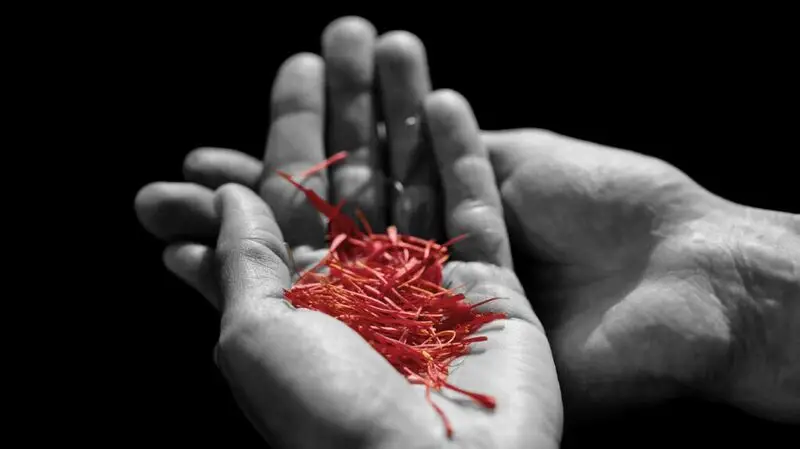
(507,151)
(251,257)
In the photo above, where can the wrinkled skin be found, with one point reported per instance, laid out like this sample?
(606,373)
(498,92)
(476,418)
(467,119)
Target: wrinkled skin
(301,377)
(650,286)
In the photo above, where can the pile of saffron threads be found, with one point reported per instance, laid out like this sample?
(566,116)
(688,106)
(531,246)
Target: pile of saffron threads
(387,287)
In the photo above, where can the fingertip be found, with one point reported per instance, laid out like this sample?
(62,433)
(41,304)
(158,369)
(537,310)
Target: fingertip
(299,85)
(452,124)
(446,108)
(348,45)
(349,52)
(348,28)
(169,256)
(175,257)
(199,161)
(192,264)
(444,100)
(303,65)
(400,48)
(404,77)
(212,167)
(303,62)
(144,198)
(147,200)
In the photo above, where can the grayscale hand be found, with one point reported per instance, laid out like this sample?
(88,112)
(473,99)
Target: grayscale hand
(650,286)
(516,367)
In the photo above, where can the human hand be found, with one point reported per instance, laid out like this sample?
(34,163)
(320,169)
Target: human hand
(309,92)
(179,212)
(307,380)
(632,267)
(650,286)
(572,313)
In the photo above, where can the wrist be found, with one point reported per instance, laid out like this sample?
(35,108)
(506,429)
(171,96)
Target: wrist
(760,285)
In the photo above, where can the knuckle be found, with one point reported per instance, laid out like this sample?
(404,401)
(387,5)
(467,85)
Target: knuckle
(253,249)
(264,252)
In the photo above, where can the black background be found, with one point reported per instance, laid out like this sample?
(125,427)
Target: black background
(712,94)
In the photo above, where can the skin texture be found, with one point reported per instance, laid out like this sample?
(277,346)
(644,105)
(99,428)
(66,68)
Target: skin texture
(682,293)
(649,286)
(305,379)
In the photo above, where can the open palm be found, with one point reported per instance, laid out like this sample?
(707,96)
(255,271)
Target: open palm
(307,380)
(303,378)
(627,263)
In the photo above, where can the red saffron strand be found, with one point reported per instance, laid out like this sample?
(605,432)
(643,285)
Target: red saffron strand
(323,165)
(447,426)
(387,287)
(363,219)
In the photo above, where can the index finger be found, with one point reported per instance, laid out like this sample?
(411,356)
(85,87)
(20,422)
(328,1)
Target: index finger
(296,144)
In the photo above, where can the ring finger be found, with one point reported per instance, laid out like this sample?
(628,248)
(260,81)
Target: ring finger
(347,46)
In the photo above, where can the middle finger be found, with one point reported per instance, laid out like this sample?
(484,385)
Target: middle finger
(348,48)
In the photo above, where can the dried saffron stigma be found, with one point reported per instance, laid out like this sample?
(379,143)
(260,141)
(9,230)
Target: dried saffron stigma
(387,287)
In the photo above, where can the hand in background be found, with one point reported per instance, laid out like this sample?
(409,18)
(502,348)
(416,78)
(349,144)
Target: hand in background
(650,286)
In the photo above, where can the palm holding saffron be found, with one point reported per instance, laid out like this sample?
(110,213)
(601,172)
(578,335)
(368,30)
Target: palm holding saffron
(302,377)
(277,355)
